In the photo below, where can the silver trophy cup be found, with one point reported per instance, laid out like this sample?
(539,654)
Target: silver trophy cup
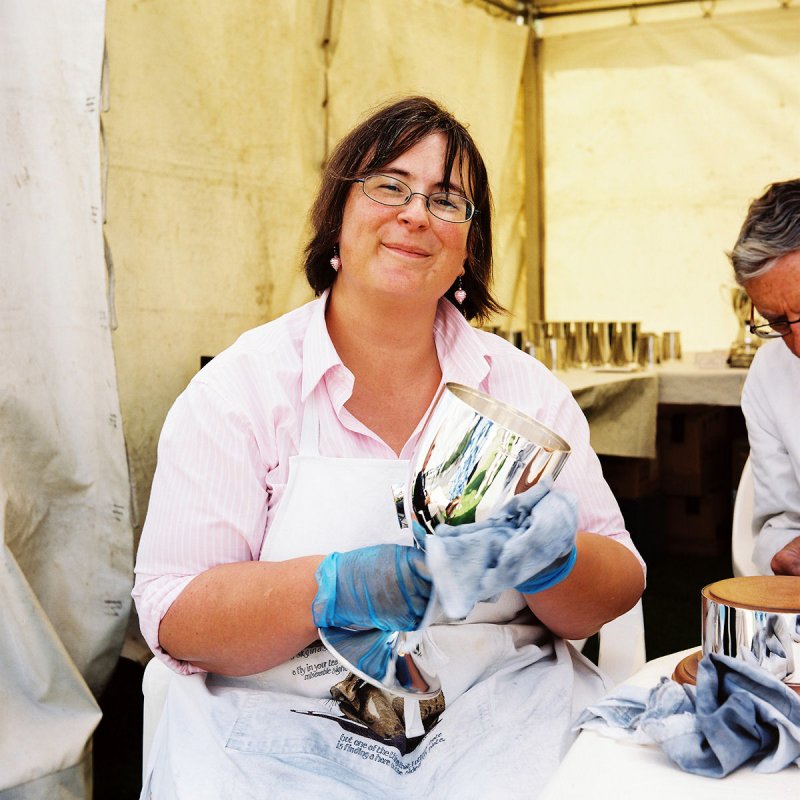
(474,454)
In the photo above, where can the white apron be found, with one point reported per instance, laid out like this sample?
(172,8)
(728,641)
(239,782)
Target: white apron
(511,690)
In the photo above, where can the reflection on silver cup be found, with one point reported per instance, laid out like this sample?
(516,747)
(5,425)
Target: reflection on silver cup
(623,343)
(600,344)
(648,349)
(581,335)
(538,331)
(671,346)
(554,353)
(474,454)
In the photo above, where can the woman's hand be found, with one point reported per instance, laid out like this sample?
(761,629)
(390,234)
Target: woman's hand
(385,586)
(529,545)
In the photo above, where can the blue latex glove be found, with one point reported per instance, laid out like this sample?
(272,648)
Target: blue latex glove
(385,586)
(529,544)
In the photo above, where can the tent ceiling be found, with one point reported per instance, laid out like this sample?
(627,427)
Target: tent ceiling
(542,9)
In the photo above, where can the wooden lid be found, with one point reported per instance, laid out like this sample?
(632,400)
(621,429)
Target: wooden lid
(779,594)
(686,671)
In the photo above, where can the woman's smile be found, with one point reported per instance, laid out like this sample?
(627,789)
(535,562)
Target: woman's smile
(408,250)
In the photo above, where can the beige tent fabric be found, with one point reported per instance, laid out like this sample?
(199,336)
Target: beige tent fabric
(221,115)
(65,533)
(657,136)
(215,137)
(467,60)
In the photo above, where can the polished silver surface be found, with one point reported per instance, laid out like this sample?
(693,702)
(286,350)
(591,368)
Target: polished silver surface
(648,349)
(623,344)
(671,346)
(580,350)
(771,637)
(600,344)
(405,676)
(474,454)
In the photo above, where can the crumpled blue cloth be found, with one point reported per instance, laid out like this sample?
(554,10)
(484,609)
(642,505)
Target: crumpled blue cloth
(737,712)
(529,544)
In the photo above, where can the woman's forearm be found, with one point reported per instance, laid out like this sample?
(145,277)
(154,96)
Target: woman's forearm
(240,619)
(605,582)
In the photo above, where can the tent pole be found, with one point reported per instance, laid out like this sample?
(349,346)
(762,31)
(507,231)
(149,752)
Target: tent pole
(534,181)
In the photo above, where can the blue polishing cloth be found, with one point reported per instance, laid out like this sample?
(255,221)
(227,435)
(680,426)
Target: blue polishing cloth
(737,713)
(529,544)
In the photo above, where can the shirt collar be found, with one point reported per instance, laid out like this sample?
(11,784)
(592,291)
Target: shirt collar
(319,354)
(462,354)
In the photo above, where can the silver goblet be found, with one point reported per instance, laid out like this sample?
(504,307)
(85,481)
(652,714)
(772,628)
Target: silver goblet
(474,454)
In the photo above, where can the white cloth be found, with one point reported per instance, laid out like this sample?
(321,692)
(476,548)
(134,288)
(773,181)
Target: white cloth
(771,406)
(511,691)
(224,454)
(65,531)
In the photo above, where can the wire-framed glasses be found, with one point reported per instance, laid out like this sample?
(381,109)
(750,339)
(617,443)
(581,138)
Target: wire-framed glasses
(389,191)
(776,329)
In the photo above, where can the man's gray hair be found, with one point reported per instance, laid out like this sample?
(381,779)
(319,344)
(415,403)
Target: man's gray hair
(771,230)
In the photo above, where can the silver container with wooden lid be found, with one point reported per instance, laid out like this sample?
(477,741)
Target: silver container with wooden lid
(758,615)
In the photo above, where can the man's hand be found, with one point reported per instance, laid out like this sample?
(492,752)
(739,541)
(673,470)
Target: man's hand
(787,561)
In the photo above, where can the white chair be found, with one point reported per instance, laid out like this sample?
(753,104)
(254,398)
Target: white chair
(155,682)
(621,650)
(743,541)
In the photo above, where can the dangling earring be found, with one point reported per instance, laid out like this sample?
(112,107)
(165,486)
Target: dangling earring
(459,293)
(336,262)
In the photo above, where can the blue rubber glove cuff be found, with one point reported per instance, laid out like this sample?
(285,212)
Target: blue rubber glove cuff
(385,586)
(549,578)
(325,602)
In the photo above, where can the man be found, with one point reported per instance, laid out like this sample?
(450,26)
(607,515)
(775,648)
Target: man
(766,261)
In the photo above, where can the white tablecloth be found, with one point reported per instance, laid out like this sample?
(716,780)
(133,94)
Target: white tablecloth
(622,407)
(598,767)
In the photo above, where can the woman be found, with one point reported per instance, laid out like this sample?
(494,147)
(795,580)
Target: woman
(766,262)
(286,447)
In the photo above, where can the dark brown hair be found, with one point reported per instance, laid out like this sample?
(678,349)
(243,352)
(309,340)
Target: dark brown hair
(378,140)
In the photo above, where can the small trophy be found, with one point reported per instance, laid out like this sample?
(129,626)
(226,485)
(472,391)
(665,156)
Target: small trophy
(474,454)
(745,344)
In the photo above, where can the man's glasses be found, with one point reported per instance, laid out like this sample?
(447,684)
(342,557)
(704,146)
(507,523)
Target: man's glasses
(389,191)
(776,329)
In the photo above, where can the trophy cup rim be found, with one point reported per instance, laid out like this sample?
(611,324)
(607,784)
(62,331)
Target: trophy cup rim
(507,416)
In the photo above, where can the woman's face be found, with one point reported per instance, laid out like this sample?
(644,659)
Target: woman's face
(403,251)
(776,295)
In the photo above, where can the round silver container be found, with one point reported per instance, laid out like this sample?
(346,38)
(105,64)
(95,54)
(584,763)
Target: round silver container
(759,616)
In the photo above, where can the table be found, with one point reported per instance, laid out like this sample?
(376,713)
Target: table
(622,406)
(598,767)
(687,383)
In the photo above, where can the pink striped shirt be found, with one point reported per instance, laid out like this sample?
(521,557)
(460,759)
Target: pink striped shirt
(223,455)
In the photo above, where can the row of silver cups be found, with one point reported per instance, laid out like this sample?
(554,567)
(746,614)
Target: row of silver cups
(474,454)
(581,345)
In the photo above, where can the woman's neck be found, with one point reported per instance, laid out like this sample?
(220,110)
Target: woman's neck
(382,337)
